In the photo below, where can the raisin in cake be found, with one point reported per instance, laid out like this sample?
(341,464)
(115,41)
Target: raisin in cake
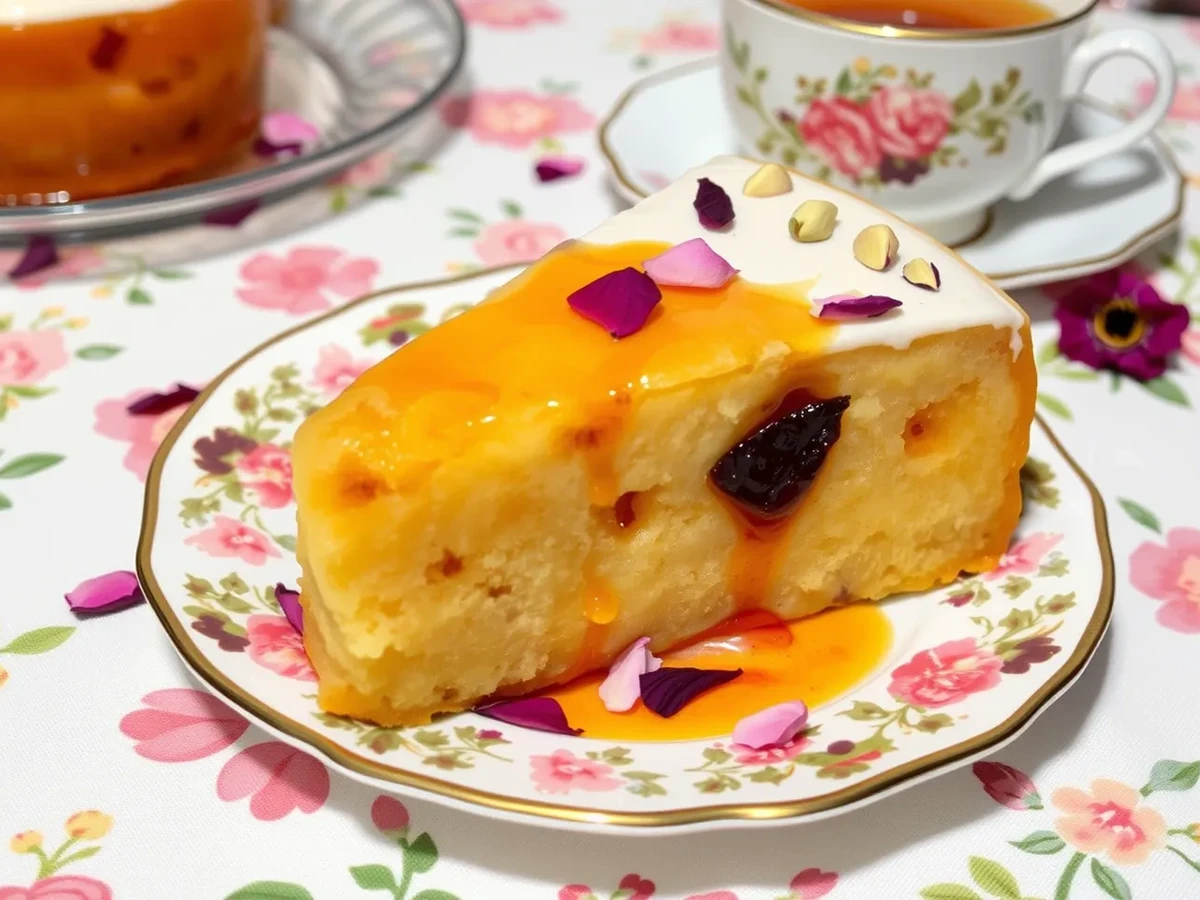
(513,497)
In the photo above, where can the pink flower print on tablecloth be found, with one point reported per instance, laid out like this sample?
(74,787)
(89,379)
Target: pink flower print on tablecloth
(143,433)
(509,13)
(72,263)
(1171,573)
(514,241)
(367,173)
(60,887)
(841,133)
(27,357)
(229,537)
(714,895)
(276,645)
(303,280)
(389,815)
(336,369)
(562,772)
(1025,556)
(1108,820)
(946,674)
(1184,108)
(1191,345)
(267,472)
(515,118)
(812,884)
(679,36)
(181,725)
(909,123)
(277,778)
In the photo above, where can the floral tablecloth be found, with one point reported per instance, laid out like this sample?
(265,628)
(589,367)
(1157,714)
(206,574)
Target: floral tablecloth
(121,778)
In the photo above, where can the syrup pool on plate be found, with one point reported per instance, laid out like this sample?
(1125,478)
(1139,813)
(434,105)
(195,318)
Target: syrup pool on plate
(814,659)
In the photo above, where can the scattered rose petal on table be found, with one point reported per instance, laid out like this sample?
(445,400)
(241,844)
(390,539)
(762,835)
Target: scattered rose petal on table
(105,593)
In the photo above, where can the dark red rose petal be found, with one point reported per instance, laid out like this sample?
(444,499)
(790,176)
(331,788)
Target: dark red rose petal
(769,472)
(667,691)
(289,601)
(232,216)
(713,205)
(619,302)
(157,404)
(40,253)
(538,713)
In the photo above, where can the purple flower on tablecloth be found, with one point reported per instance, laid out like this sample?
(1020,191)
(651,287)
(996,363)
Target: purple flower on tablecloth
(277,778)
(1116,320)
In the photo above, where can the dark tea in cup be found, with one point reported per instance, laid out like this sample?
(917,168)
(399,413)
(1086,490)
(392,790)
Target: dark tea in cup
(947,14)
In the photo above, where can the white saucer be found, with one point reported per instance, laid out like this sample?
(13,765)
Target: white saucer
(1085,222)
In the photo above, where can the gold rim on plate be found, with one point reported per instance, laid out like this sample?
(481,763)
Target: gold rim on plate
(893,32)
(340,756)
(1134,245)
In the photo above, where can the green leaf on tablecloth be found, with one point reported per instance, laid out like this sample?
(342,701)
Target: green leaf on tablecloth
(1172,775)
(512,209)
(98,351)
(422,854)
(1076,374)
(1166,389)
(271,890)
(286,541)
(435,895)
(138,297)
(1041,843)
(28,391)
(463,231)
(40,640)
(466,215)
(171,274)
(993,878)
(29,464)
(1110,881)
(5,503)
(1054,405)
(1140,514)
(949,892)
(374,878)
(1048,353)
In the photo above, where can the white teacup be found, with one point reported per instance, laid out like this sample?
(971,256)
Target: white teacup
(934,125)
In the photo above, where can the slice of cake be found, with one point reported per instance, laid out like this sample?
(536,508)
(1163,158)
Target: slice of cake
(515,496)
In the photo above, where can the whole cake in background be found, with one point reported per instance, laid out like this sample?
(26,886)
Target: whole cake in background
(749,392)
(104,97)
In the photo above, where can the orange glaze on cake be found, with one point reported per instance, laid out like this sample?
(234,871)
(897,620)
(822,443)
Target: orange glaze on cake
(814,659)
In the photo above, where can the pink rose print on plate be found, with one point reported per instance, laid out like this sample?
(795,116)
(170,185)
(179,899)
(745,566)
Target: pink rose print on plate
(303,280)
(26,357)
(562,772)
(515,118)
(748,756)
(841,133)
(276,645)
(946,674)
(677,36)
(143,433)
(1171,574)
(1025,556)
(229,537)
(336,368)
(909,123)
(60,887)
(1108,820)
(277,778)
(182,725)
(515,241)
(267,472)
(812,884)
(509,13)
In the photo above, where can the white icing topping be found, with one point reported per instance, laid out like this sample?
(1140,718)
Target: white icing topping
(758,244)
(26,12)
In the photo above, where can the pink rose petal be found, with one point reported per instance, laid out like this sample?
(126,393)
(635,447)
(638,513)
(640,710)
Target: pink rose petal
(289,601)
(619,302)
(622,688)
(538,713)
(667,691)
(284,133)
(105,593)
(713,205)
(551,168)
(847,306)
(772,726)
(690,264)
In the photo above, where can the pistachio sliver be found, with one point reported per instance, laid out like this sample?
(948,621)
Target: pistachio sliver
(923,274)
(813,221)
(876,247)
(768,180)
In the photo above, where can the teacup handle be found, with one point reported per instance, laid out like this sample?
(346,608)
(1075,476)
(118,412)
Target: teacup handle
(1122,42)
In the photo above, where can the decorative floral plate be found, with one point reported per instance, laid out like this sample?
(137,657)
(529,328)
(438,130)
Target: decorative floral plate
(1089,221)
(969,667)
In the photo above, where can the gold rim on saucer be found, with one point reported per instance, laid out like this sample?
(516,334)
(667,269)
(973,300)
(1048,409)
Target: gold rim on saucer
(923,34)
(340,756)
